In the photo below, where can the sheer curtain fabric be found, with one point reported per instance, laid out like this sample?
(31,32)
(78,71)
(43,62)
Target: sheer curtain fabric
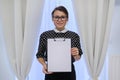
(20,24)
(94,21)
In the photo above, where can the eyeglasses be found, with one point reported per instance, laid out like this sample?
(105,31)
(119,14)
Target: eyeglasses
(63,18)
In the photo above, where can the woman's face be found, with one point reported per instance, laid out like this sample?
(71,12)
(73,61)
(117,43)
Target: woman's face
(59,19)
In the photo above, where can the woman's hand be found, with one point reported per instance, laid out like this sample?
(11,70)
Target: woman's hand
(75,53)
(45,69)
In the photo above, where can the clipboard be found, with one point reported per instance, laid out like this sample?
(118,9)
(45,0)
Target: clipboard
(59,55)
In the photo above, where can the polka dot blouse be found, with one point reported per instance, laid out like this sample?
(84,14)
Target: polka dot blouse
(42,48)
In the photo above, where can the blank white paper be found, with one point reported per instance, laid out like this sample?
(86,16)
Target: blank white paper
(59,55)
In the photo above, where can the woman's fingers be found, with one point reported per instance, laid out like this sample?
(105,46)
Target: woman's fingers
(45,71)
(74,51)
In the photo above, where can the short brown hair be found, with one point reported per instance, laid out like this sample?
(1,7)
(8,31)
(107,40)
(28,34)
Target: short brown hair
(61,8)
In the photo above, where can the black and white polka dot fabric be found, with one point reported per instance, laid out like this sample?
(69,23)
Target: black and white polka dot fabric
(42,48)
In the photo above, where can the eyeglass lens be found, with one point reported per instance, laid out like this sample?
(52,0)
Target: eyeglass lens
(59,17)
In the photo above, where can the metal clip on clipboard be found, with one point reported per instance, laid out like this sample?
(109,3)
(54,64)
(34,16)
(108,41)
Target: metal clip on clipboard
(59,39)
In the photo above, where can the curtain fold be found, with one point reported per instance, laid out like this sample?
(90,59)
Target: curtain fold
(21,21)
(31,34)
(18,37)
(94,21)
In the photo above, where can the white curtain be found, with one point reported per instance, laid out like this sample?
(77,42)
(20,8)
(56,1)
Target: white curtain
(94,21)
(20,23)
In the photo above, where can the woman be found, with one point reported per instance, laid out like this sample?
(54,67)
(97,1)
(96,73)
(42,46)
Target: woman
(59,18)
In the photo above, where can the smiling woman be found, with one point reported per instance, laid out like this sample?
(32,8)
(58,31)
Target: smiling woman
(59,32)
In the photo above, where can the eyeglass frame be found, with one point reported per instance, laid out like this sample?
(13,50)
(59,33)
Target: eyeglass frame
(56,18)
